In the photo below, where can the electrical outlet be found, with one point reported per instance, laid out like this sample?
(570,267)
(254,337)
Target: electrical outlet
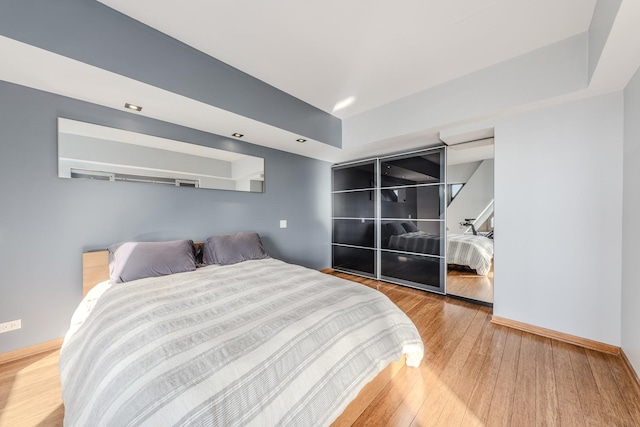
(283,223)
(10,326)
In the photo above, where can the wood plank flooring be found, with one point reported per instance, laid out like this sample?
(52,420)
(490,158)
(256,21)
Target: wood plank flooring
(474,373)
(478,374)
(30,392)
(470,285)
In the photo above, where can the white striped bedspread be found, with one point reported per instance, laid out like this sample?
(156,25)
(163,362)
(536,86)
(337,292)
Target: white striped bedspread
(416,242)
(257,343)
(475,252)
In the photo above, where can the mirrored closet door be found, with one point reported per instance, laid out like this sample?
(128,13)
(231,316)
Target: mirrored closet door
(389,219)
(470,208)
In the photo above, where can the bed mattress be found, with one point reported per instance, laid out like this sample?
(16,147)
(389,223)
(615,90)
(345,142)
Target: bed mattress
(255,343)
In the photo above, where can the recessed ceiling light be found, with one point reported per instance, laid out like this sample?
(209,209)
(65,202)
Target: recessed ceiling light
(237,135)
(132,107)
(301,140)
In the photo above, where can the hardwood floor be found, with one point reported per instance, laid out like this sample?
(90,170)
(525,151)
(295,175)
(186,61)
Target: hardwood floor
(470,285)
(30,392)
(474,373)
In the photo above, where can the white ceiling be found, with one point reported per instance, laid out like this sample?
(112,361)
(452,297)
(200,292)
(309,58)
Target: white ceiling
(371,52)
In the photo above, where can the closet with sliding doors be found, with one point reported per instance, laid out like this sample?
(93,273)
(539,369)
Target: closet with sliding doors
(389,219)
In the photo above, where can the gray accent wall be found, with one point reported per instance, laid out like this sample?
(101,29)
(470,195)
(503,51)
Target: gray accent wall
(47,222)
(630,223)
(91,32)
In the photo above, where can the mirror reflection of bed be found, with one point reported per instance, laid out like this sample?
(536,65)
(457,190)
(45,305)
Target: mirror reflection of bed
(470,210)
(469,256)
(470,267)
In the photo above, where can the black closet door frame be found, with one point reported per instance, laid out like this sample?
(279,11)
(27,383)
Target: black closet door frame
(372,189)
(442,290)
(378,219)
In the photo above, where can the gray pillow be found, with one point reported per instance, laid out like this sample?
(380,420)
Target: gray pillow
(395,229)
(137,260)
(410,227)
(233,248)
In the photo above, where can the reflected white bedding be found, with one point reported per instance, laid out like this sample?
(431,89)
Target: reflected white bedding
(475,252)
(256,343)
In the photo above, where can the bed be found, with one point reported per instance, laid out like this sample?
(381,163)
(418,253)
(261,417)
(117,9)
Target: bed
(474,252)
(258,342)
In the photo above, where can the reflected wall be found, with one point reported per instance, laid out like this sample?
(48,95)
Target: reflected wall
(90,151)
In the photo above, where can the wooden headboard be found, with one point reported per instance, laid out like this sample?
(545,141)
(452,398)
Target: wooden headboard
(95,268)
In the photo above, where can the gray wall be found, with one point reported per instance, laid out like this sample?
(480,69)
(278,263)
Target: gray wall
(558,222)
(473,199)
(604,15)
(630,218)
(91,32)
(460,173)
(46,222)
